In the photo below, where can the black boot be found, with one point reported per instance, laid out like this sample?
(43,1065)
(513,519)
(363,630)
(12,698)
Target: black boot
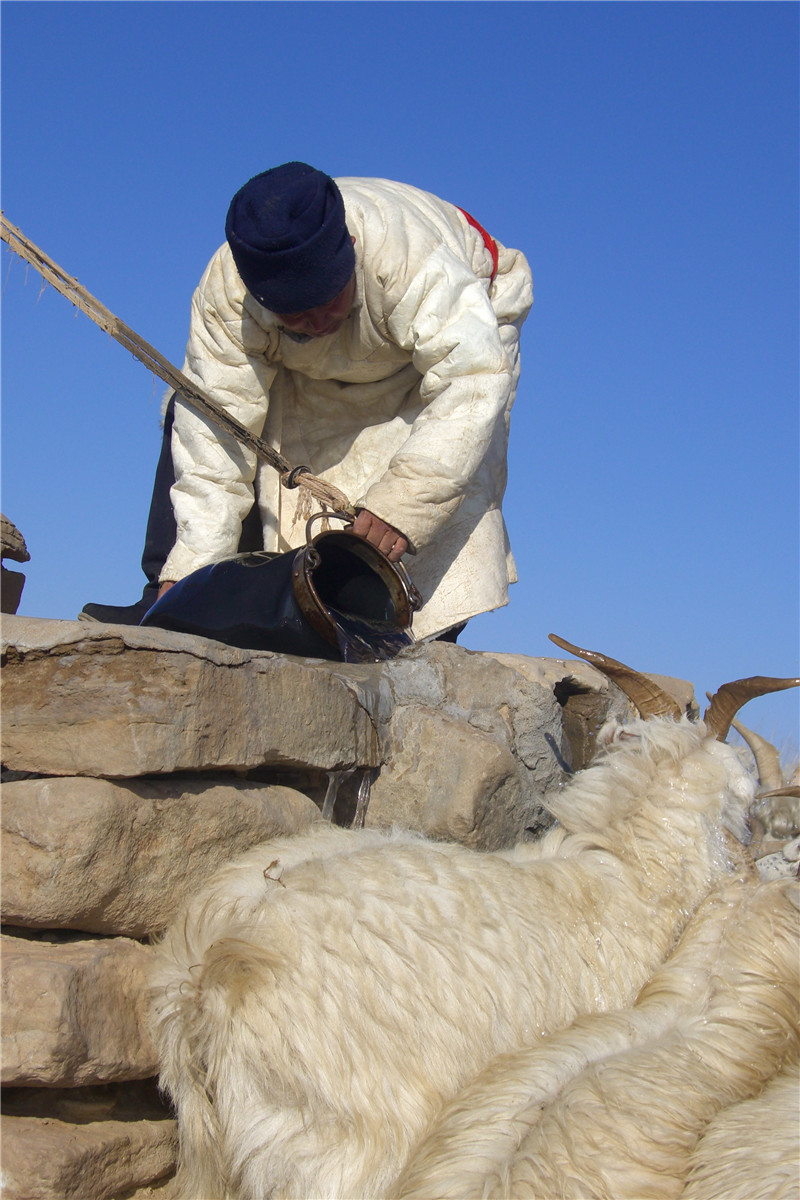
(121,614)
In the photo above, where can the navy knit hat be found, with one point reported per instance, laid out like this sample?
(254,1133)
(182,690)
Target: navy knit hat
(288,237)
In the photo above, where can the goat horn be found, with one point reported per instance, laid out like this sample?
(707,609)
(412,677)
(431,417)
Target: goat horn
(726,702)
(768,761)
(790,789)
(650,699)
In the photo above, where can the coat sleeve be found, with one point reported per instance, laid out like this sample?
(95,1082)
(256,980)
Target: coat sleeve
(213,489)
(447,323)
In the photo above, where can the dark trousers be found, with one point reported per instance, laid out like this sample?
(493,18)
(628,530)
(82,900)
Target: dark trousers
(161,529)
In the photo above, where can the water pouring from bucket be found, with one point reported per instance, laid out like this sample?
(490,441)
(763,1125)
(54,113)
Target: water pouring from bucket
(351,594)
(338,597)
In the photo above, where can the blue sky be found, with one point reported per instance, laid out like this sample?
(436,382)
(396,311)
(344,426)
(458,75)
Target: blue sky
(644,157)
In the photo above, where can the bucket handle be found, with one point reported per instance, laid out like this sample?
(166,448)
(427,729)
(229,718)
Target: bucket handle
(414,598)
(343,516)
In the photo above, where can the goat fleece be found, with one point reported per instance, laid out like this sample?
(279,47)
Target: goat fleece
(751,1151)
(321,999)
(613,1107)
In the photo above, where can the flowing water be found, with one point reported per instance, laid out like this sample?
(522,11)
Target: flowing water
(363,639)
(334,779)
(364,789)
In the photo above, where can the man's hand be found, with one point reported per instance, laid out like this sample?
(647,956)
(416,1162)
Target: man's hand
(165,587)
(386,538)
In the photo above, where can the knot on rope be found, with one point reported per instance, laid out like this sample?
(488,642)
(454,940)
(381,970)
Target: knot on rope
(290,478)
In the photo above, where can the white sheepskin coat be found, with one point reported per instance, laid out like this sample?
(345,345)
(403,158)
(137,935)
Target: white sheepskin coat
(405,409)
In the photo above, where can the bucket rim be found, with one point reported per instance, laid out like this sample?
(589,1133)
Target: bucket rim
(308,558)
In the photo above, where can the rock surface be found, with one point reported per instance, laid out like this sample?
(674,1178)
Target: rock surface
(110,857)
(123,702)
(12,543)
(74,1013)
(120,701)
(48,1159)
(11,585)
(449,781)
(470,746)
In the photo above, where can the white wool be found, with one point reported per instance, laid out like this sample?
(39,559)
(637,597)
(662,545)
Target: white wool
(318,1002)
(751,1151)
(613,1107)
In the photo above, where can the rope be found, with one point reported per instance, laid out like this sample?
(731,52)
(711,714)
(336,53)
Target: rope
(325,493)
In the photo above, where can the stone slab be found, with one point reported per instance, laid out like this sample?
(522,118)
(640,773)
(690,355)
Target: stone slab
(120,858)
(468,743)
(450,782)
(48,1159)
(74,1013)
(11,585)
(120,701)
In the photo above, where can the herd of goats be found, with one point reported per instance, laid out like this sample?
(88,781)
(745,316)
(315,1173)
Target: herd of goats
(609,1012)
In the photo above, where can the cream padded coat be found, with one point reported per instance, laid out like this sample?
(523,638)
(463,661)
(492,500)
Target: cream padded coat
(405,408)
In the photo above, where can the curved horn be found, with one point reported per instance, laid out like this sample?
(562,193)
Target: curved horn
(650,699)
(726,702)
(768,761)
(791,789)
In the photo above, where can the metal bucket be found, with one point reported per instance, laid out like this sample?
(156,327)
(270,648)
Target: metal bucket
(337,598)
(339,572)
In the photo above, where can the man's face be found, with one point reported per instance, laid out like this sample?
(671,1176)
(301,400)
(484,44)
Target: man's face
(326,318)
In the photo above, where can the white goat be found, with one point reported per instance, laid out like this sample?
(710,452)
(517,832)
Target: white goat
(321,998)
(751,1151)
(613,1107)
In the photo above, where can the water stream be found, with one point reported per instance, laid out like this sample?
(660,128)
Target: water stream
(335,779)
(364,789)
(363,639)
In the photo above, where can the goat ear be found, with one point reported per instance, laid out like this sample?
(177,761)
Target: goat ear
(739,856)
(734,820)
(608,734)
